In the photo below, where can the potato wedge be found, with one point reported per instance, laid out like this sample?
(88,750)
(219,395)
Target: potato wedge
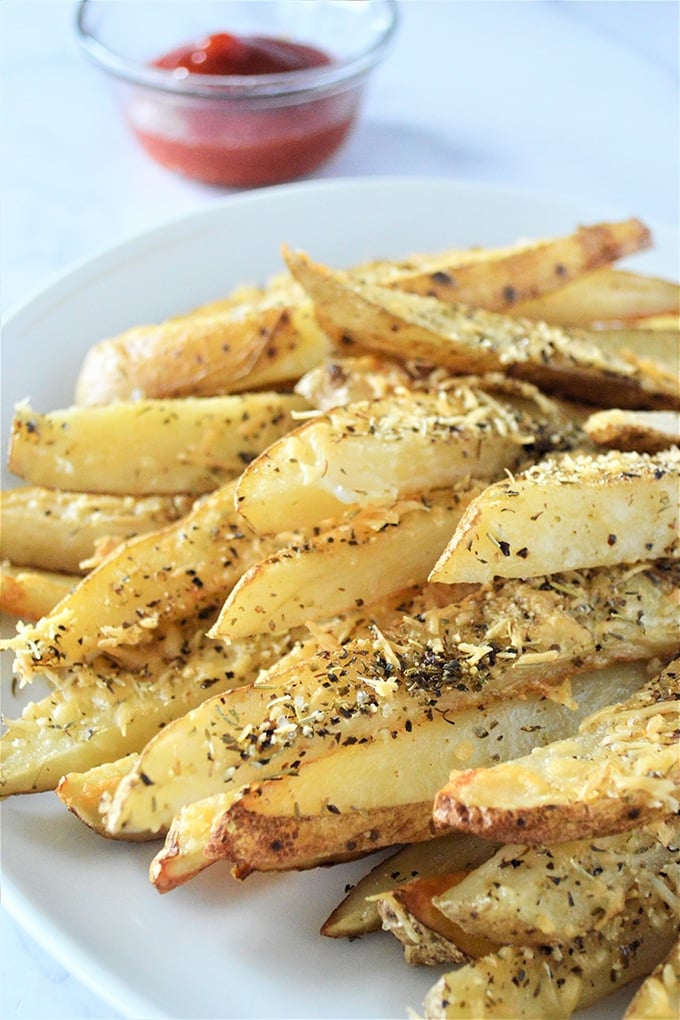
(401,665)
(428,936)
(29,594)
(155,577)
(643,431)
(551,893)
(256,345)
(530,270)
(658,998)
(378,451)
(465,339)
(532,983)
(109,710)
(656,350)
(189,445)
(60,530)
(357,913)
(568,513)
(83,792)
(368,556)
(621,770)
(366,796)
(605,296)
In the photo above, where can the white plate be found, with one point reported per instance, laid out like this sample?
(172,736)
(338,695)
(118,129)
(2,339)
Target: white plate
(216,947)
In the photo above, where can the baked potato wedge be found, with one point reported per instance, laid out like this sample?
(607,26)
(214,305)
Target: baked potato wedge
(409,912)
(620,771)
(400,665)
(643,431)
(605,297)
(467,339)
(61,530)
(378,451)
(107,710)
(262,343)
(551,893)
(358,914)
(369,555)
(501,279)
(190,445)
(365,796)
(29,593)
(155,577)
(532,983)
(568,513)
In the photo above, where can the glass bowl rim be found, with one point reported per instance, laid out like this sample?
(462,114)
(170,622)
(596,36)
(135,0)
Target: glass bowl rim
(311,80)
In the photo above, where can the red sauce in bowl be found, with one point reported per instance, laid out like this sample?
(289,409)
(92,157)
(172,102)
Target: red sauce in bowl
(224,53)
(239,143)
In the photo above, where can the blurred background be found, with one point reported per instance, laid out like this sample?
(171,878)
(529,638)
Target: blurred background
(569,98)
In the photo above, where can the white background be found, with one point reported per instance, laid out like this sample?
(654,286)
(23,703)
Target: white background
(574,99)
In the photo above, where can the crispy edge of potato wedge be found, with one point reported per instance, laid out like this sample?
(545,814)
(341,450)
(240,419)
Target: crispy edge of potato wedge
(428,936)
(642,431)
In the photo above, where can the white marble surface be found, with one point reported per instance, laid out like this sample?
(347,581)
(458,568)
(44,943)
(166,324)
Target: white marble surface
(576,99)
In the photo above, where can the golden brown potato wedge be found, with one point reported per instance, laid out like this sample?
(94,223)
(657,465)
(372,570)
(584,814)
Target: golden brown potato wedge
(29,594)
(527,271)
(365,796)
(108,710)
(620,771)
(189,445)
(155,577)
(398,667)
(357,913)
(60,529)
(551,893)
(428,936)
(568,513)
(643,431)
(367,556)
(465,339)
(256,345)
(530,983)
(377,451)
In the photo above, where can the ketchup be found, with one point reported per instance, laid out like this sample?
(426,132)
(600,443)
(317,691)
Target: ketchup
(224,53)
(241,143)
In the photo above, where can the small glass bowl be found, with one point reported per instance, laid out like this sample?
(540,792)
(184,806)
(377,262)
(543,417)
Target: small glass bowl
(246,130)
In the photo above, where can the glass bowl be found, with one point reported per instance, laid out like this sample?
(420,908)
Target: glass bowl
(242,130)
